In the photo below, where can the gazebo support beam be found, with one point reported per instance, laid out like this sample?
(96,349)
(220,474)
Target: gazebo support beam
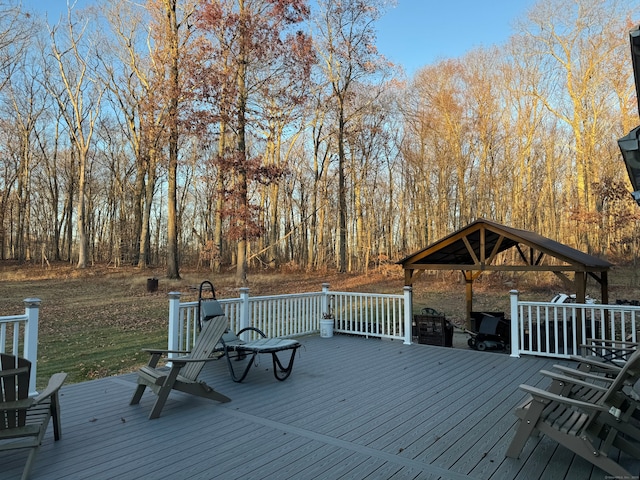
(604,287)
(468,279)
(603,280)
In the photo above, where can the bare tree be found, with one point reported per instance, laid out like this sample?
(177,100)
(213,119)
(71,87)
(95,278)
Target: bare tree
(26,101)
(78,97)
(135,81)
(16,31)
(346,45)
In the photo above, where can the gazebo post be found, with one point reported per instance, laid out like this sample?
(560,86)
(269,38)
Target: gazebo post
(468,279)
(408,277)
(580,282)
(604,287)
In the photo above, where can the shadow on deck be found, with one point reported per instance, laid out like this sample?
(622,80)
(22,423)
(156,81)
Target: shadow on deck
(352,408)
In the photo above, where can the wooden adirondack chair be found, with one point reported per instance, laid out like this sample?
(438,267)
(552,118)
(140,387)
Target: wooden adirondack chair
(589,425)
(24,419)
(184,371)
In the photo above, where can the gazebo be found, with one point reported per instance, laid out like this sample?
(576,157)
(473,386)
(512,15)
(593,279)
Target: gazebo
(474,249)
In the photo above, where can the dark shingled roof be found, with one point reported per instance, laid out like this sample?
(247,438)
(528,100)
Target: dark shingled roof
(452,250)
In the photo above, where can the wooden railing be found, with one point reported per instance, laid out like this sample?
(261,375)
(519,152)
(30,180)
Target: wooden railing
(367,314)
(19,336)
(558,330)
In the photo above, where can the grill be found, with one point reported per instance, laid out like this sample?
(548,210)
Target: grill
(433,330)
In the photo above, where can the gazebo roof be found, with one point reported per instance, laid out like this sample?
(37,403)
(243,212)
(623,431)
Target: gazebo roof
(475,246)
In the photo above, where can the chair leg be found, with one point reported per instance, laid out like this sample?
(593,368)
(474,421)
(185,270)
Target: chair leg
(246,370)
(26,473)
(519,440)
(277,366)
(138,394)
(55,414)
(525,429)
(163,394)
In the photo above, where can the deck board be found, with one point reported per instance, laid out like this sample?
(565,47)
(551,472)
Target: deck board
(352,408)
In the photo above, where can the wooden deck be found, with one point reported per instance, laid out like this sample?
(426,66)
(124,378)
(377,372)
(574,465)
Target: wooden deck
(353,408)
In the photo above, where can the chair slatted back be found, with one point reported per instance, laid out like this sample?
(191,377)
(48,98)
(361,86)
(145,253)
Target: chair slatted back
(204,346)
(629,375)
(14,385)
(630,370)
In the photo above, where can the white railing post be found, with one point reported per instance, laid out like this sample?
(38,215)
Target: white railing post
(515,324)
(174,323)
(325,300)
(325,307)
(408,314)
(244,311)
(31,311)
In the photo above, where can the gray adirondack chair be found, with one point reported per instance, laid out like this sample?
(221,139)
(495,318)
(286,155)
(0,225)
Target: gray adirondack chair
(24,419)
(590,425)
(184,370)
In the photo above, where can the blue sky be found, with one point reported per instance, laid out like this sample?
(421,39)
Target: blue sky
(417,33)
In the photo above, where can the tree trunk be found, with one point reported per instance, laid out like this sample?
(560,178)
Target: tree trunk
(217,227)
(145,231)
(342,194)
(172,197)
(83,244)
(243,207)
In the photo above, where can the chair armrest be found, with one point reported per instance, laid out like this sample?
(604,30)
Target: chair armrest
(546,397)
(55,382)
(181,362)
(579,374)
(156,354)
(571,380)
(598,364)
(156,351)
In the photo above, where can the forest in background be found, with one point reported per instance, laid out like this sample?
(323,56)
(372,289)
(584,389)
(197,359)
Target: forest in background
(261,133)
